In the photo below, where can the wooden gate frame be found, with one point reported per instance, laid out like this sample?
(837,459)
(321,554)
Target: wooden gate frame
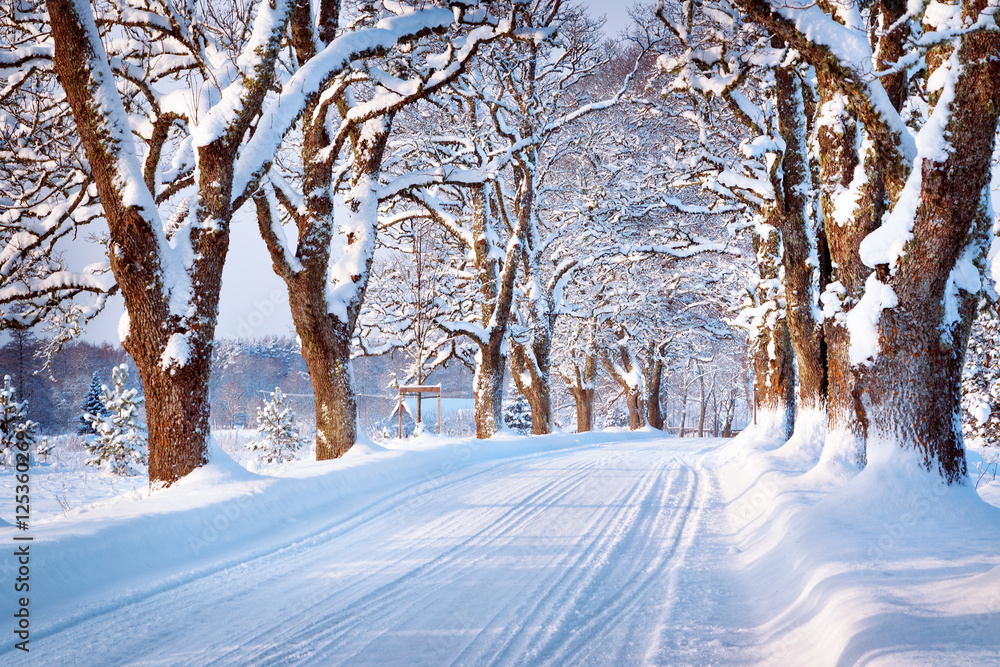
(418,390)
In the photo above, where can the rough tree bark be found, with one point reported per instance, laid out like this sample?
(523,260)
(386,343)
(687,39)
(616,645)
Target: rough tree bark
(324,329)
(930,198)
(654,414)
(171,343)
(581,384)
(771,351)
(912,390)
(803,243)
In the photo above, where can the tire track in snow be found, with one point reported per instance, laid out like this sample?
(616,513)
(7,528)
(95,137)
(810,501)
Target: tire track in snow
(385,604)
(387,599)
(395,502)
(563,557)
(603,589)
(136,609)
(626,603)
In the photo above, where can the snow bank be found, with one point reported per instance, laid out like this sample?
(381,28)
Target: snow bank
(883,566)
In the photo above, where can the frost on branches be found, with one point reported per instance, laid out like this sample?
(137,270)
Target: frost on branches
(981,384)
(119,443)
(17,432)
(276,424)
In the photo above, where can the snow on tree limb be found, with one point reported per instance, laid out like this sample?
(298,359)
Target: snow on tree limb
(279,116)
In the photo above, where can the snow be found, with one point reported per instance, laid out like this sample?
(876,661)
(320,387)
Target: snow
(887,566)
(124,327)
(598,548)
(268,26)
(862,320)
(279,116)
(176,352)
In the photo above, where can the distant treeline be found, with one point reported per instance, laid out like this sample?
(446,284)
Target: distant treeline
(243,370)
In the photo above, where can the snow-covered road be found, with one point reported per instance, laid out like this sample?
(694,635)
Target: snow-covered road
(614,553)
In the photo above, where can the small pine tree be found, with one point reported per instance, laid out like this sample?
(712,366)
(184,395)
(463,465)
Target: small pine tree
(93,404)
(17,432)
(119,443)
(517,414)
(276,424)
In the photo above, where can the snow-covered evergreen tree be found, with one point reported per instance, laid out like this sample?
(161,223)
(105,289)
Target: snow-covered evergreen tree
(517,414)
(119,443)
(93,404)
(981,383)
(276,423)
(17,432)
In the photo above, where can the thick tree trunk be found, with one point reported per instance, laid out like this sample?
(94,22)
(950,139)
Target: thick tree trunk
(169,336)
(326,331)
(838,142)
(533,383)
(326,348)
(912,390)
(654,416)
(771,351)
(177,414)
(803,244)
(581,387)
(584,399)
(487,390)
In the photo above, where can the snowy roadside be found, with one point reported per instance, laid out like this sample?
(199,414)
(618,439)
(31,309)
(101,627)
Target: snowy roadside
(134,544)
(883,567)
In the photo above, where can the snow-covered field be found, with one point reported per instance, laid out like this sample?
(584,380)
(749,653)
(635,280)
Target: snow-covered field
(605,548)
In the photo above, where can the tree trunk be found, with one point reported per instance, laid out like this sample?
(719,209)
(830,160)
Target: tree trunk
(628,376)
(804,254)
(530,369)
(487,390)
(838,141)
(912,390)
(704,403)
(326,329)
(326,348)
(771,350)
(730,407)
(654,415)
(170,333)
(584,399)
(581,387)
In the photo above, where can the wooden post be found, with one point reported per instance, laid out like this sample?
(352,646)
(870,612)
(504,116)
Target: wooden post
(419,391)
